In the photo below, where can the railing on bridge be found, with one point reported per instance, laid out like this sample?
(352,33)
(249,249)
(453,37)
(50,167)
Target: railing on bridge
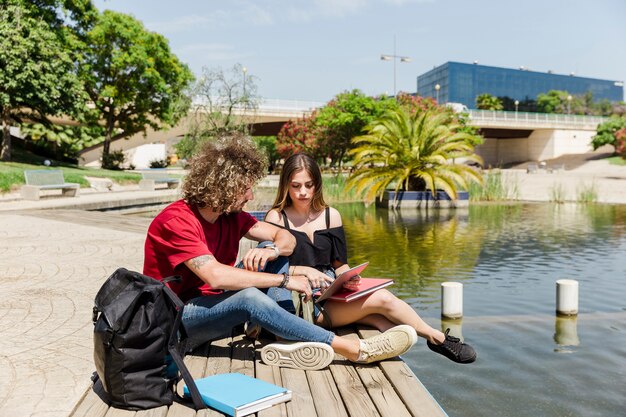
(523,119)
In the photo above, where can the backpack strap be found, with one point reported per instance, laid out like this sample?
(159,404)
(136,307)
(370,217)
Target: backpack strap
(173,349)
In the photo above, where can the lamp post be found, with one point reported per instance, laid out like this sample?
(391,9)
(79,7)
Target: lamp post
(394,57)
(516,106)
(569,104)
(437,88)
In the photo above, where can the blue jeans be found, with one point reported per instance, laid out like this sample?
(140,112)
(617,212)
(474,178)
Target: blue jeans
(213,316)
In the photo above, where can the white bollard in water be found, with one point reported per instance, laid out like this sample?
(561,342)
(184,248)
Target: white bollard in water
(567,297)
(452,300)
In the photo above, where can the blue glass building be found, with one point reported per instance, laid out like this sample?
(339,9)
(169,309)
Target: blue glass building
(462,83)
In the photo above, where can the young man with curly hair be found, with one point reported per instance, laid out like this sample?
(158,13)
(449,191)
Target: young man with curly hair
(198,238)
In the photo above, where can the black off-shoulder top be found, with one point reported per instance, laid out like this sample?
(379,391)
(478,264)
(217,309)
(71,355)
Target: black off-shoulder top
(328,245)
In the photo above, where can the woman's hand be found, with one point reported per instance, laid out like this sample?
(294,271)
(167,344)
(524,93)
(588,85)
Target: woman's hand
(316,278)
(352,284)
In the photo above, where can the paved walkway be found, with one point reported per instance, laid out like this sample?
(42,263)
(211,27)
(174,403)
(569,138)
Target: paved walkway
(52,262)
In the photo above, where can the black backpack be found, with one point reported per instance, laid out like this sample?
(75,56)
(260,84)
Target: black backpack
(137,329)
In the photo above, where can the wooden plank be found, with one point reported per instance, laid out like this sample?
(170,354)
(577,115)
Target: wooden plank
(118,412)
(382,392)
(409,388)
(301,403)
(325,393)
(272,375)
(242,355)
(93,403)
(355,396)
(153,412)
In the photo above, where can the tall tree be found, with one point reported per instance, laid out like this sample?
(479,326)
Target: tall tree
(132,78)
(37,76)
(344,118)
(223,101)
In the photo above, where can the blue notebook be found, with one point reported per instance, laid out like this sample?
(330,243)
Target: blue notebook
(239,395)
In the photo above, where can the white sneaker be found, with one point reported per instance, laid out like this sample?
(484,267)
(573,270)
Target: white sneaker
(308,356)
(389,344)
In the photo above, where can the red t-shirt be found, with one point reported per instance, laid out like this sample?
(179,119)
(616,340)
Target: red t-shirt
(180,233)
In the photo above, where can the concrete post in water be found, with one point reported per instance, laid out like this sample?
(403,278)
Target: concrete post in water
(452,300)
(567,297)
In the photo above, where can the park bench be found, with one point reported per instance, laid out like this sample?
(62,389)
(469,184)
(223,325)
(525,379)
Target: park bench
(46,179)
(557,168)
(152,177)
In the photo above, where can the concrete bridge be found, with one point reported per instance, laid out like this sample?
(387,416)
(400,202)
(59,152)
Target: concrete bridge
(509,136)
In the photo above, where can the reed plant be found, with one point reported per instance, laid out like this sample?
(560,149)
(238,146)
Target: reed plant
(587,193)
(336,191)
(557,193)
(494,188)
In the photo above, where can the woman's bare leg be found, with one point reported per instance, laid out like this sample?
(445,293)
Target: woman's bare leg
(385,304)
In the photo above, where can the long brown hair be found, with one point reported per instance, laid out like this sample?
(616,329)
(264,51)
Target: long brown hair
(295,163)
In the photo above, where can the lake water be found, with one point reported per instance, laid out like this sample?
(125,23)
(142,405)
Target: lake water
(508,257)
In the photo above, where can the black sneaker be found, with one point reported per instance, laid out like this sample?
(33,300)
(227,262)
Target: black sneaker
(453,349)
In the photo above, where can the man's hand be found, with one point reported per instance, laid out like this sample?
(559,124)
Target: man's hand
(256,259)
(301,284)
(316,278)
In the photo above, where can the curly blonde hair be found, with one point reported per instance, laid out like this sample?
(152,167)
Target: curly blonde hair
(223,169)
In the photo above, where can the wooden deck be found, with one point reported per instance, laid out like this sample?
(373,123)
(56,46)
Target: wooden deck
(387,389)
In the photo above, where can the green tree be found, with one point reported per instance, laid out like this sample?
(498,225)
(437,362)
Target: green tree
(344,117)
(607,131)
(488,102)
(132,78)
(554,101)
(268,144)
(412,152)
(37,77)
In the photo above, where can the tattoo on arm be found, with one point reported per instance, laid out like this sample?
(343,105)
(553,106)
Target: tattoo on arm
(201,260)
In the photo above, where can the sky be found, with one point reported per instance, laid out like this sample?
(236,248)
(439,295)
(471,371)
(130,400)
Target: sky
(311,50)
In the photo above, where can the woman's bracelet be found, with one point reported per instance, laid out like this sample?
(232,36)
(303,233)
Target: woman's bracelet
(285,280)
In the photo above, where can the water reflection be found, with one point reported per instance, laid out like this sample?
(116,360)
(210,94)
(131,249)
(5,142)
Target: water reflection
(566,333)
(508,258)
(455,326)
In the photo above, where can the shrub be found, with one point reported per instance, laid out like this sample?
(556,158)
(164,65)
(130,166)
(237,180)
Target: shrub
(113,160)
(159,163)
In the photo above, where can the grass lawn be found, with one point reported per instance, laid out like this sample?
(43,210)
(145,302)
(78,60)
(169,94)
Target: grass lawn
(617,160)
(12,173)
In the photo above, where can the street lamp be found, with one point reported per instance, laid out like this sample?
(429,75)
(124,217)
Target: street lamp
(569,104)
(516,106)
(394,57)
(437,88)
(244,70)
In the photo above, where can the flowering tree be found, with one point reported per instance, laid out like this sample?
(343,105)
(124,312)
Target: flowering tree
(620,142)
(300,135)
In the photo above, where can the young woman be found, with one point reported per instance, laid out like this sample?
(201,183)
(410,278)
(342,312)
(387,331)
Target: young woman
(321,254)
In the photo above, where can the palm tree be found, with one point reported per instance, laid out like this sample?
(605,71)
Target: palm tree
(415,151)
(488,102)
